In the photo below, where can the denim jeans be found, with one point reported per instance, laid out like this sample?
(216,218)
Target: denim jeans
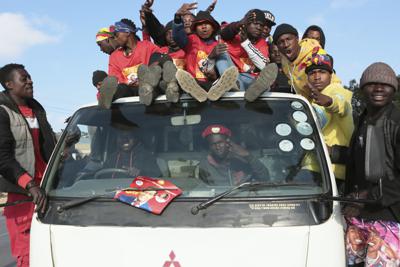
(224,61)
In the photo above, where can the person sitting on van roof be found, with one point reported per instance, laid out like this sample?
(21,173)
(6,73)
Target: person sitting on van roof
(228,163)
(248,51)
(201,49)
(315,32)
(97,80)
(106,41)
(296,56)
(266,32)
(281,83)
(332,104)
(125,61)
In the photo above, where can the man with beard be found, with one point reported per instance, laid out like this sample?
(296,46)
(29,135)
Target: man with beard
(228,163)
(26,143)
(248,51)
(296,57)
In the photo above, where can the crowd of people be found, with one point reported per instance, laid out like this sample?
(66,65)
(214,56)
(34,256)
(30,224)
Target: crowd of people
(195,54)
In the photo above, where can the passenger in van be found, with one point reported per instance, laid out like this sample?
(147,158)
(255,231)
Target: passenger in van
(296,56)
(228,163)
(248,51)
(132,156)
(332,104)
(201,50)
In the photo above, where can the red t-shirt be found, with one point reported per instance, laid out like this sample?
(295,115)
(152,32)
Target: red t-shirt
(241,58)
(125,67)
(179,57)
(197,51)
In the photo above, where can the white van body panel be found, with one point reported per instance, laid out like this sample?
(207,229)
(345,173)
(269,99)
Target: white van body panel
(197,247)
(294,246)
(40,244)
(126,247)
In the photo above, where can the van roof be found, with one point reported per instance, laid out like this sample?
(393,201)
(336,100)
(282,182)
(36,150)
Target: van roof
(135,99)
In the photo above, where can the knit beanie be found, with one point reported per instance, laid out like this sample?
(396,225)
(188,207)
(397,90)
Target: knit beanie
(379,72)
(284,29)
(98,76)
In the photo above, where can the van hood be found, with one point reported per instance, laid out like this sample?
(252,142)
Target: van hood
(172,247)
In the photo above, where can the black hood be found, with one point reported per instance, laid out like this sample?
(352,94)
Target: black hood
(206,16)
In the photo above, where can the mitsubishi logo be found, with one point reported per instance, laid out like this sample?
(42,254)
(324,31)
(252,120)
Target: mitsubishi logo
(172,262)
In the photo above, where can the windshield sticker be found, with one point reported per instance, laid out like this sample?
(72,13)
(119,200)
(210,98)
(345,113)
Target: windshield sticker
(274,206)
(283,129)
(286,145)
(304,128)
(307,144)
(296,105)
(299,116)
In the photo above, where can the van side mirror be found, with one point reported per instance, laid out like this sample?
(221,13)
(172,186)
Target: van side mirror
(73,136)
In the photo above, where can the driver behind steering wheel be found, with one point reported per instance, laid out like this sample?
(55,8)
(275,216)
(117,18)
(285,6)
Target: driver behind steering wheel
(132,157)
(227,162)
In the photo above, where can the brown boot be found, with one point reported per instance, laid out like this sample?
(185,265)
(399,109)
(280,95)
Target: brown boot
(169,77)
(262,83)
(149,77)
(189,85)
(225,83)
(107,91)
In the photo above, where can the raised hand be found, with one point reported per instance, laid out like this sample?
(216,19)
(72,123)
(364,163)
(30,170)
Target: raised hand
(149,3)
(218,50)
(211,7)
(243,33)
(320,99)
(185,8)
(238,150)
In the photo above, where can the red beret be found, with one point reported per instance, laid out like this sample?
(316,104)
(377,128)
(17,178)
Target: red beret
(216,129)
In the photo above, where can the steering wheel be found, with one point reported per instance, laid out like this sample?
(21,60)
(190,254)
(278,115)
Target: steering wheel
(110,171)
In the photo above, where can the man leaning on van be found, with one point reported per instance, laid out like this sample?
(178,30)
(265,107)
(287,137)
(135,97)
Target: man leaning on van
(26,143)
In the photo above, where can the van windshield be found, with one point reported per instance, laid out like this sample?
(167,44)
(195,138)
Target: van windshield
(203,148)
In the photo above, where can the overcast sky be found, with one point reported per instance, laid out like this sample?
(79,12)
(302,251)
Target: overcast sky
(55,39)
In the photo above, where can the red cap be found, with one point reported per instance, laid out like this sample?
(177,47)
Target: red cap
(216,129)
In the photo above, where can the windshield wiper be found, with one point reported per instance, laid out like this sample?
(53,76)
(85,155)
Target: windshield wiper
(81,201)
(245,185)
